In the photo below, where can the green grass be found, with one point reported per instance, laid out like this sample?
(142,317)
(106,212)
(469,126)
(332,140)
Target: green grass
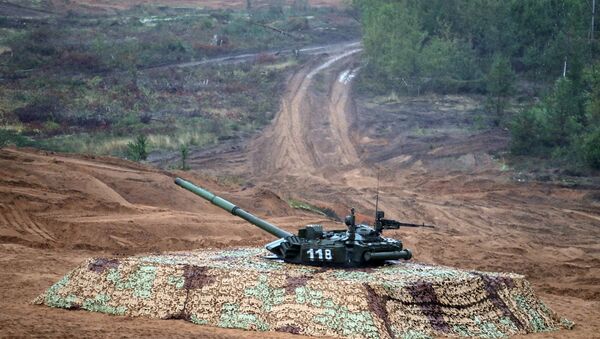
(99,114)
(231,180)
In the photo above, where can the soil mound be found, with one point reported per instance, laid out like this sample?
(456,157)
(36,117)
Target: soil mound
(239,288)
(100,203)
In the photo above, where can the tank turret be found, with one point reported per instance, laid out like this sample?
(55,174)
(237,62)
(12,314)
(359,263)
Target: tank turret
(358,245)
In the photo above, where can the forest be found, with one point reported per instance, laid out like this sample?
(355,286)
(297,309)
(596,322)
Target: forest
(536,61)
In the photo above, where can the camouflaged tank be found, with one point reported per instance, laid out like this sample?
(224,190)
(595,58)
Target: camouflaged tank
(359,245)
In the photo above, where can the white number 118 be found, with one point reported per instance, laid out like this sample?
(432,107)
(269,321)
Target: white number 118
(319,254)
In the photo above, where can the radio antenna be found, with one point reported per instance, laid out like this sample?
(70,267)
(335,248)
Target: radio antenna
(377,198)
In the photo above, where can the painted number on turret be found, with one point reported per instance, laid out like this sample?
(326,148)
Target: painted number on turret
(319,254)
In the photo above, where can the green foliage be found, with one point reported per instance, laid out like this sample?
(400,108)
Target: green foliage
(592,97)
(591,148)
(565,112)
(136,150)
(409,58)
(41,108)
(9,137)
(80,83)
(4,137)
(548,32)
(184,151)
(528,131)
(483,46)
(443,45)
(392,41)
(559,126)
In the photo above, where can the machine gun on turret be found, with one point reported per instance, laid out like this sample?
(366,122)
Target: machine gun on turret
(389,224)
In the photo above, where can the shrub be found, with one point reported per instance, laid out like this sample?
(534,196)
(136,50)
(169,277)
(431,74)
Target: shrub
(331,213)
(136,150)
(297,24)
(145,118)
(184,150)
(41,109)
(527,132)
(52,127)
(82,61)
(8,137)
(89,122)
(4,138)
(591,149)
(207,24)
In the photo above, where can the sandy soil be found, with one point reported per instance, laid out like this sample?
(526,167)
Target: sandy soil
(56,210)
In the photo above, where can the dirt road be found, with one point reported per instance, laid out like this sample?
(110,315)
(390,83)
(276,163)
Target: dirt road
(305,138)
(325,147)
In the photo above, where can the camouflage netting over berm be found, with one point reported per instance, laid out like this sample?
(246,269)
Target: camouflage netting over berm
(240,289)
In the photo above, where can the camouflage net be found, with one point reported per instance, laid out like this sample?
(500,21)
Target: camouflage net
(240,289)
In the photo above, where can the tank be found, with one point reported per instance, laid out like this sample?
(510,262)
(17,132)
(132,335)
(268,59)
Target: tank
(358,245)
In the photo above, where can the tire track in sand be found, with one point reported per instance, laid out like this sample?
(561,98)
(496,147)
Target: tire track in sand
(13,217)
(289,146)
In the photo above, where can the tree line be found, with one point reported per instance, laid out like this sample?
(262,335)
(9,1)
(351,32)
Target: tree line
(495,47)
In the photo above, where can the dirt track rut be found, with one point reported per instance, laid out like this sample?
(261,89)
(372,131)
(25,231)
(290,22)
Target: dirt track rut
(295,143)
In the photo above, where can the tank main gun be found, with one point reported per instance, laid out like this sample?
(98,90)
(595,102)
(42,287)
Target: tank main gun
(233,209)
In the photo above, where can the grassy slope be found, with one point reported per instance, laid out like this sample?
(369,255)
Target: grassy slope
(82,83)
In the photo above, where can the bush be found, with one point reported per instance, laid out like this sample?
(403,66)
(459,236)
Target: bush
(145,118)
(591,149)
(527,131)
(185,151)
(565,112)
(554,126)
(136,150)
(4,138)
(297,24)
(89,122)
(500,86)
(42,109)
(8,137)
(82,61)
(331,213)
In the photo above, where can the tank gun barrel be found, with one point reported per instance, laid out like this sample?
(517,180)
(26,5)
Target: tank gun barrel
(233,209)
